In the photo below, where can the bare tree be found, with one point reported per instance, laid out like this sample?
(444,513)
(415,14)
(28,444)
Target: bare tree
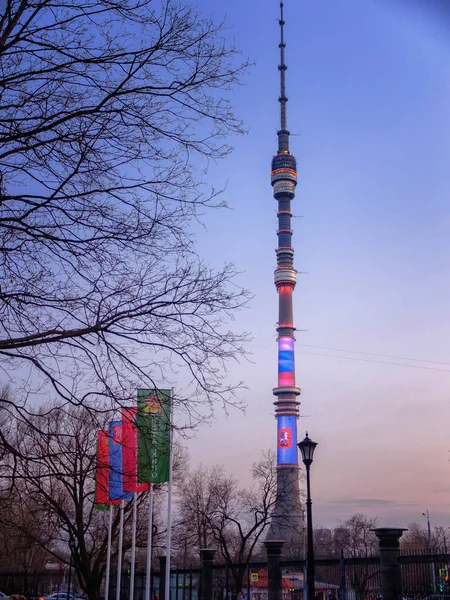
(19,530)
(356,538)
(440,539)
(48,485)
(215,511)
(324,546)
(111,110)
(415,539)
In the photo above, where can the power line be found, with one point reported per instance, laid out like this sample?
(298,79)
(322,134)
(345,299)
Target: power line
(434,362)
(381,362)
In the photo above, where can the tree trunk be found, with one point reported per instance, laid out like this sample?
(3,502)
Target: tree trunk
(238,577)
(93,582)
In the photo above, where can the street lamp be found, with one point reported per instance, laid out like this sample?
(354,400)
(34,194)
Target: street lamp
(430,548)
(427,515)
(307,447)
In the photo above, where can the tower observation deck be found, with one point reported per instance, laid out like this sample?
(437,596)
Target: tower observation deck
(286,522)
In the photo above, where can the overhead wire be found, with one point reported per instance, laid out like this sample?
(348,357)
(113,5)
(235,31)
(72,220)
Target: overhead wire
(434,362)
(380,362)
(375,354)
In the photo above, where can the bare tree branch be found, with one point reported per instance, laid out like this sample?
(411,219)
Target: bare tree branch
(110,111)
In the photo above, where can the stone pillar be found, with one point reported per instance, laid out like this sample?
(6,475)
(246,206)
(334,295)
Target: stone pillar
(389,544)
(274,573)
(162,577)
(207,558)
(342,578)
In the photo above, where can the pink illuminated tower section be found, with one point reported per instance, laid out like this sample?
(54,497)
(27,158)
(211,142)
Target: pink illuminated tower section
(286,522)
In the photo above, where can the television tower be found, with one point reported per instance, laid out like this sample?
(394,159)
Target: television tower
(286,522)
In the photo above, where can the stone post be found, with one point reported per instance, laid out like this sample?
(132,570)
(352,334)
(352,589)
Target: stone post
(162,577)
(274,573)
(207,558)
(389,544)
(342,578)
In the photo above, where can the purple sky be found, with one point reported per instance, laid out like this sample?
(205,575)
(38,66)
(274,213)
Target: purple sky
(369,102)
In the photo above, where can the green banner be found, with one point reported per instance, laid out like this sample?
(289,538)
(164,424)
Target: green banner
(153,424)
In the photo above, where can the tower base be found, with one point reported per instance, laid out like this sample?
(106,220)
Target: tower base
(287,521)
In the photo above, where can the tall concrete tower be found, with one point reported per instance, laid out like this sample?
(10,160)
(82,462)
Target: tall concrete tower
(286,522)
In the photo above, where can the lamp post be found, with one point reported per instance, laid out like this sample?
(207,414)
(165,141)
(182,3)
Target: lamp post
(307,447)
(430,549)
(427,515)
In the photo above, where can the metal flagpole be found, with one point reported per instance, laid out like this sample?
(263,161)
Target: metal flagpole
(119,554)
(149,544)
(108,553)
(169,510)
(133,545)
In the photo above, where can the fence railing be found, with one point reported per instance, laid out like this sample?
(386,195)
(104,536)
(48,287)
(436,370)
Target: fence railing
(424,575)
(356,578)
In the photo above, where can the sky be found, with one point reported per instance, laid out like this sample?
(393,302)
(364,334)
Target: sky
(369,97)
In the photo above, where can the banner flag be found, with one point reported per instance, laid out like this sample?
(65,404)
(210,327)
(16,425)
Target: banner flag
(102,498)
(116,491)
(130,452)
(153,422)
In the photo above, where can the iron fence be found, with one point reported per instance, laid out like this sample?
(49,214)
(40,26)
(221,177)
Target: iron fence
(33,584)
(422,577)
(357,578)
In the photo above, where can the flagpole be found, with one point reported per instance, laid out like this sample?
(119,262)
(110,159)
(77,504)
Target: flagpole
(169,508)
(149,544)
(133,545)
(108,553)
(119,553)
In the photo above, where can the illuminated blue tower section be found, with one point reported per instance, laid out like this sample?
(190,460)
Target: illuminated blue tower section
(286,523)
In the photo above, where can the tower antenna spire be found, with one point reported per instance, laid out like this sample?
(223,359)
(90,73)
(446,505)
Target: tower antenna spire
(286,523)
(283,134)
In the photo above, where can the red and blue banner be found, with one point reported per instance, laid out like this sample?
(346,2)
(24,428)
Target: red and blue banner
(130,452)
(116,473)
(102,497)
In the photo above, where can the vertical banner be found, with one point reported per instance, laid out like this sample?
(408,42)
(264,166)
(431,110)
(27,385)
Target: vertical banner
(102,497)
(130,452)
(116,490)
(153,422)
